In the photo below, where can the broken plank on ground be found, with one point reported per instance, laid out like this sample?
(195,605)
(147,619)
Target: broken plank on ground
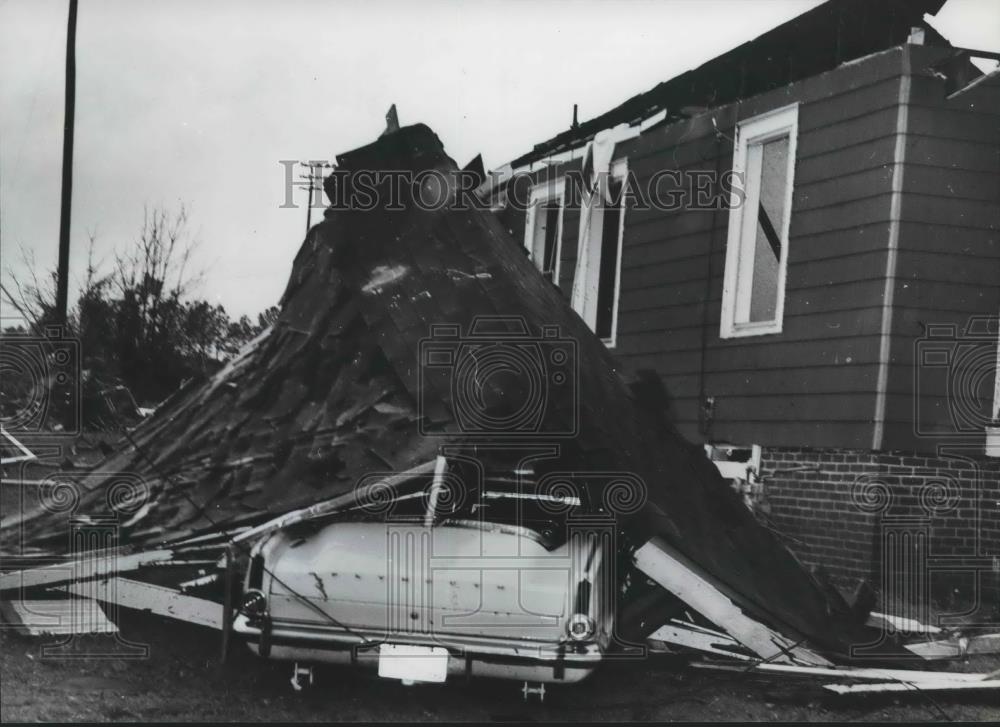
(956,648)
(847,672)
(44,617)
(661,563)
(154,599)
(900,623)
(903,686)
(81,569)
(677,633)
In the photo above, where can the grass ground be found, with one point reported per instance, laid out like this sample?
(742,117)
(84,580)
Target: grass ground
(182,680)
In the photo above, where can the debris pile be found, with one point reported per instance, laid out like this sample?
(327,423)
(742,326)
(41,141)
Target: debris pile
(340,388)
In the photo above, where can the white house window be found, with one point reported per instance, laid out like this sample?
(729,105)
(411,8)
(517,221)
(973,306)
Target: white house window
(753,295)
(543,231)
(596,298)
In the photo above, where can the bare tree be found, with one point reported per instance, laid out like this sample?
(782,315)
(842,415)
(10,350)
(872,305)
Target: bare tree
(32,298)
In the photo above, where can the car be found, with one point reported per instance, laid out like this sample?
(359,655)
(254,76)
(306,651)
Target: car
(438,580)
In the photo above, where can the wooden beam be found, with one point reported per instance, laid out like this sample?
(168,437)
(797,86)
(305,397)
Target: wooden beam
(956,648)
(154,599)
(712,642)
(333,505)
(905,675)
(900,623)
(81,569)
(25,453)
(665,566)
(939,686)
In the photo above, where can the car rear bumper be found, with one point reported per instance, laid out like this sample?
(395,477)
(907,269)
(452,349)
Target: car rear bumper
(468,656)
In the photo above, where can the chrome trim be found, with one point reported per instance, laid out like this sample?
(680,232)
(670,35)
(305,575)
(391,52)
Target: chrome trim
(542,651)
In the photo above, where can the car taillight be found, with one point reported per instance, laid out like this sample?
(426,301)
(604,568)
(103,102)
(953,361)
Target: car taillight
(254,603)
(580,627)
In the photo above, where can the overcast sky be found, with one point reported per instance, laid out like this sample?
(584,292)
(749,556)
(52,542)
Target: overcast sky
(196,102)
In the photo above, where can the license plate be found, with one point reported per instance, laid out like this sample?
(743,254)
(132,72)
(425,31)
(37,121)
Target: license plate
(413,663)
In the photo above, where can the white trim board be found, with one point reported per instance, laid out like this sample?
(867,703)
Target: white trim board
(81,569)
(151,598)
(945,685)
(914,676)
(892,252)
(658,561)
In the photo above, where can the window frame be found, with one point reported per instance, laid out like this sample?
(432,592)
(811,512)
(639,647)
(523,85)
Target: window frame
(756,131)
(542,194)
(586,305)
(617,171)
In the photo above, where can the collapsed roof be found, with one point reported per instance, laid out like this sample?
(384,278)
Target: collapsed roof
(337,389)
(814,42)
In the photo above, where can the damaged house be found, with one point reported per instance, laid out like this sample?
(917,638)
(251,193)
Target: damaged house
(430,465)
(426,380)
(800,237)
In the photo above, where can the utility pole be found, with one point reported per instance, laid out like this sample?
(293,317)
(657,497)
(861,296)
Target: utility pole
(314,180)
(62,282)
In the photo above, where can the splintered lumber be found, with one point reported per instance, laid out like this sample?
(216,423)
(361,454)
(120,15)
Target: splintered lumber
(329,506)
(900,623)
(677,633)
(956,648)
(22,453)
(44,617)
(346,371)
(850,673)
(923,686)
(153,599)
(80,569)
(657,560)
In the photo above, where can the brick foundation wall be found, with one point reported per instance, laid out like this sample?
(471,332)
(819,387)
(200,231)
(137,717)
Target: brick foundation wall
(933,520)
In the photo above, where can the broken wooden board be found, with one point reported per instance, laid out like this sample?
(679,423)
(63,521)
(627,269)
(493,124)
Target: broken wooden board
(81,569)
(11,450)
(957,647)
(677,633)
(923,686)
(661,563)
(153,599)
(889,622)
(329,506)
(915,676)
(45,617)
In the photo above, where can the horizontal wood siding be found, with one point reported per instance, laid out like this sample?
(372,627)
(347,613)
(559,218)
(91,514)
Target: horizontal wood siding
(813,384)
(948,275)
